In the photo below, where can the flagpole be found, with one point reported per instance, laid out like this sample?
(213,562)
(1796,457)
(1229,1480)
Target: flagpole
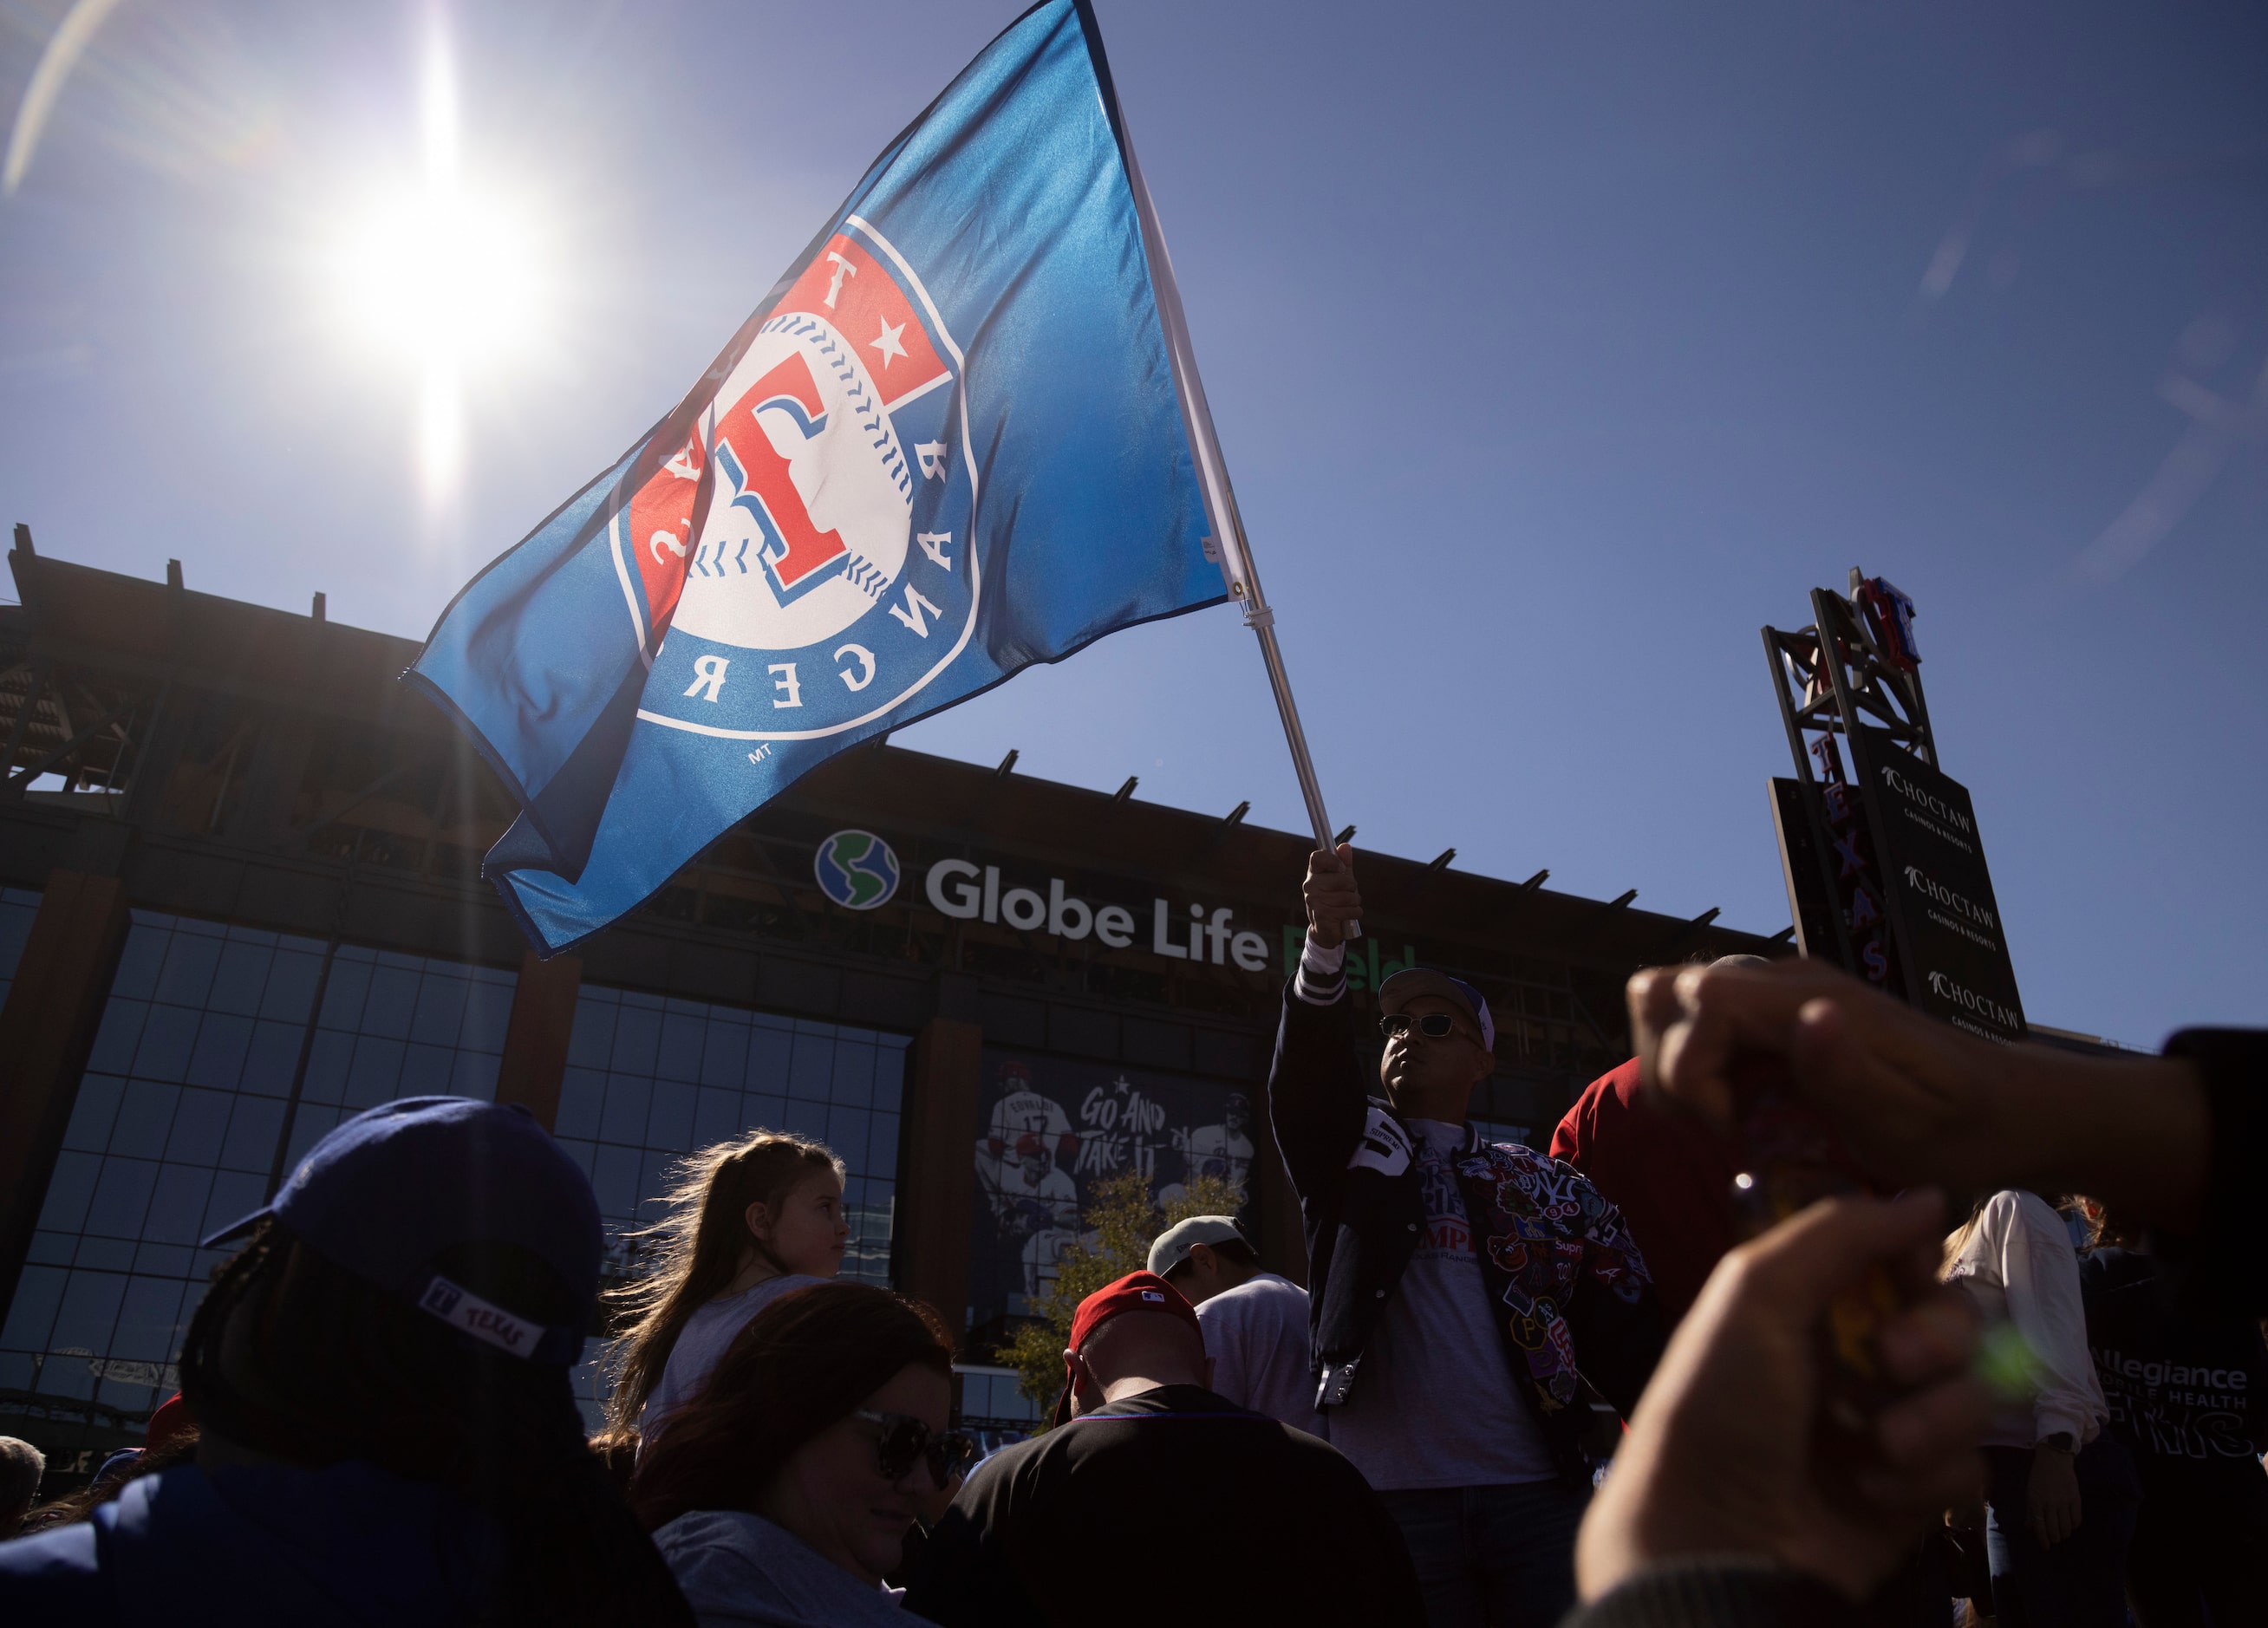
(1220,498)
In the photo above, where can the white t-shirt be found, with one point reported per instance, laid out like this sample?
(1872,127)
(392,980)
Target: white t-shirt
(1256,1335)
(2017,1263)
(1435,1404)
(702,1341)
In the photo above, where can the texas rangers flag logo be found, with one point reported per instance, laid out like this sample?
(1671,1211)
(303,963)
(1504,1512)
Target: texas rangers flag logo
(951,439)
(803,551)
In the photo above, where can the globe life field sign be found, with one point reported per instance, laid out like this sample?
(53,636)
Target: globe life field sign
(856,869)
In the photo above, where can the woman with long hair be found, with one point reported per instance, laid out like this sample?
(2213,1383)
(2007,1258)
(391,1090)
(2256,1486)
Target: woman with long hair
(786,1485)
(748,1222)
(382,1384)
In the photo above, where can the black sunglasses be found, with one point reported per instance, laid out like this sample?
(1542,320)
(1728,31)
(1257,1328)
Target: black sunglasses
(1433,1025)
(905,1439)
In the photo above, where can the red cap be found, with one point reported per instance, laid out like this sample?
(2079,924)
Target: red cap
(1135,1291)
(171,1420)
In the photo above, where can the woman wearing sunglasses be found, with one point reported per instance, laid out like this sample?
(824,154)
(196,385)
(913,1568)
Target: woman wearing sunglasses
(786,1486)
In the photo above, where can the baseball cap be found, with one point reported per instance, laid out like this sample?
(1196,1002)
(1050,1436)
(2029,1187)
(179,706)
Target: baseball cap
(397,1185)
(1173,1245)
(1135,1291)
(1406,985)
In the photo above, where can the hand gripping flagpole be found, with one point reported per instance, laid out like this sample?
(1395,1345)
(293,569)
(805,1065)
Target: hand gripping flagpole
(1220,498)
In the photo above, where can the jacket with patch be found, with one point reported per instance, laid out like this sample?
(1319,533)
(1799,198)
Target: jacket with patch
(1574,1300)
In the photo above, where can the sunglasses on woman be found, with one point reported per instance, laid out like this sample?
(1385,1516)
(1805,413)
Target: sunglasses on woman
(905,1439)
(1433,1026)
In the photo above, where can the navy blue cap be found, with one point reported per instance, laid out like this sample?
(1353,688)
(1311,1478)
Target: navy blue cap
(1406,985)
(392,1188)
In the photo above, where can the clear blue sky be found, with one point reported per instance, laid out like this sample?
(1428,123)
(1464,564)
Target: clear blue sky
(1554,349)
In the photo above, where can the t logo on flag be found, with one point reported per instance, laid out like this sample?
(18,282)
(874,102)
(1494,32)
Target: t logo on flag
(802,561)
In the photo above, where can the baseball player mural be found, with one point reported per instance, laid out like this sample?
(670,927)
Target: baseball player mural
(1052,1129)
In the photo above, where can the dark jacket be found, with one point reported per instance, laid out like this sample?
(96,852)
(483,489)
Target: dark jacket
(1578,1305)
(244,1546)
(1172,1505)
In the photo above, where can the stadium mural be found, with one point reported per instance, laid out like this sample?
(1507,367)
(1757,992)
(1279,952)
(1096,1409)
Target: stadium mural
(1049,1127)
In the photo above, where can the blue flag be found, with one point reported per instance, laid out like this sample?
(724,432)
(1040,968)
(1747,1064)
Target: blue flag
(955,438)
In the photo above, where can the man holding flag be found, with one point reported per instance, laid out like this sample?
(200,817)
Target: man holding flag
(963,434)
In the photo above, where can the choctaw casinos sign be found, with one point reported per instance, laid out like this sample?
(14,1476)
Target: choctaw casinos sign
(1944,919)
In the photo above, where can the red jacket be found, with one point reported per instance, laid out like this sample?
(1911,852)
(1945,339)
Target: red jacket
(1669,1174)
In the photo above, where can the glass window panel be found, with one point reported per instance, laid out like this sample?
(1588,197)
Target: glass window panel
(313,1125)
(328,1061)
(669,1124)
(291,990)
(105,1254)
(679,1056)
(235,1195)
(591,1041)
(716,1116)
(812,1068)
(253,1130)
(39,1292)
(68,1191)
(615,1173)
(274,1056)
(218,1058)
(146,1116)
(393,1000)
(140,962)
(147,1327)
(426,1070)
(87,1315)
(167,1034)
(164,1260)
(805,1117)
(761,1111)
(475,1075)
(628,1100)
(440,1010)
(637,1035)
(488,1015)
(346,994)
(725,1055)
(846,1133)
(889,1077)
(177,1203)
(854,1074)
(371,1078)
(199,1124)
(93,1111)
(240,978)
(187,975)
(582,1094)
(769,1050)
(52,1249)
(121,1197)
(114,1042)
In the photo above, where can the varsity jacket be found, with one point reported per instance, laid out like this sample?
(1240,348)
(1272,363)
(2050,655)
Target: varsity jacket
(1573,1299)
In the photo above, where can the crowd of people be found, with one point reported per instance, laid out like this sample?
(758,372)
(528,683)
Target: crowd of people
(1591,1386)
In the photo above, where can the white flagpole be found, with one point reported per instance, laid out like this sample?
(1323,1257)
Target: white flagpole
(1220,497)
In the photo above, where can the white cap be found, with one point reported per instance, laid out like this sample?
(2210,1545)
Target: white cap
(1174,1244)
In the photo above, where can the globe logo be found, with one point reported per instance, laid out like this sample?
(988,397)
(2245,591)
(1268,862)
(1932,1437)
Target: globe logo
(857,870)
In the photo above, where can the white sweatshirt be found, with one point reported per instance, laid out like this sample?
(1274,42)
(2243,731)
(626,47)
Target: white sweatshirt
(2017,1263)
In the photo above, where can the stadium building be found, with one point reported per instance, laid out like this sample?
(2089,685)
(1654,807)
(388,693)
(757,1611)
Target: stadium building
(242,900)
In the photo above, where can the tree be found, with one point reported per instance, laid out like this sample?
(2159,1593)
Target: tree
(1120,1225)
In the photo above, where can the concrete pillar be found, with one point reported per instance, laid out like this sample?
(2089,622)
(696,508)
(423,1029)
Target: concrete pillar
(536,1041)
(46,1029)
(937,1187)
